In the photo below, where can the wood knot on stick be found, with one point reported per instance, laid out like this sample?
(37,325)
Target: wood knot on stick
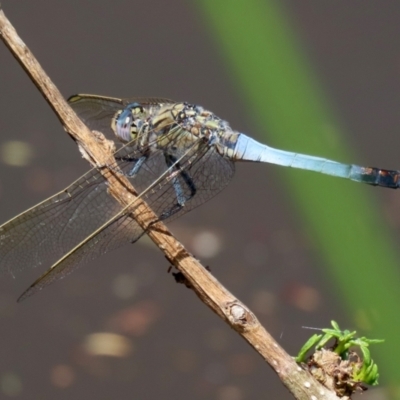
(108,145)
(240,316)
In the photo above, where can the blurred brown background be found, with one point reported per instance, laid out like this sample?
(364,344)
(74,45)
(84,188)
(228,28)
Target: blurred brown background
(166,343)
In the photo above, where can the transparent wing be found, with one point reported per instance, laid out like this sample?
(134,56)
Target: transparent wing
(44,233)
(201,170)
(97,111)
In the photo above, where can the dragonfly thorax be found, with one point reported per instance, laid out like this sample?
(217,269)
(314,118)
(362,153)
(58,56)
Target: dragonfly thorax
(173,126)
(201,124)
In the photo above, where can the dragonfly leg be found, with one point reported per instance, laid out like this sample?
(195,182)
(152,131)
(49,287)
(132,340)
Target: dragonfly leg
(136,168)
(138,163)
(180,195)
(126,158)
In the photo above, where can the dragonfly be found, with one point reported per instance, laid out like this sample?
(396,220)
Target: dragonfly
(177,156)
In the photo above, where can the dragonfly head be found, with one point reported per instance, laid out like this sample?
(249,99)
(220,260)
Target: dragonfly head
(126,123)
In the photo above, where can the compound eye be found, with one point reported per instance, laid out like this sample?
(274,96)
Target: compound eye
(123,122)
(127,121)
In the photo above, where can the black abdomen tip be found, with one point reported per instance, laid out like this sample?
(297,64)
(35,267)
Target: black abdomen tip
(381,177)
